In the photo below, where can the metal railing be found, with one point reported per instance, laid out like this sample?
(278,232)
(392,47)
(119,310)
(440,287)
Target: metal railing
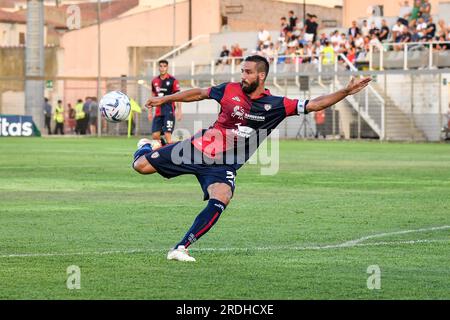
(373,112)
(175,52)
(406,48)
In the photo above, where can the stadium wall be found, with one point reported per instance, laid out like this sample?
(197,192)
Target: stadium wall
(12,64)
(151,28)
(361,9)
(244,15)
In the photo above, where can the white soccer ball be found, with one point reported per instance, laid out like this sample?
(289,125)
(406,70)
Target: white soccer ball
(115,106)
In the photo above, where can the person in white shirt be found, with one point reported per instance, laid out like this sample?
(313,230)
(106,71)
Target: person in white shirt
(365,28)
(359,41)
(420,28)
(397,30)
(264,36)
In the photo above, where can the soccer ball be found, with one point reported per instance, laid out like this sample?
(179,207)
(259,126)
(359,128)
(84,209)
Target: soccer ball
(115,106)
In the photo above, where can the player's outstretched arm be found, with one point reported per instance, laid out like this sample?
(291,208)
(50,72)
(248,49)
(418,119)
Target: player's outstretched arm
(190,95)
(322,102)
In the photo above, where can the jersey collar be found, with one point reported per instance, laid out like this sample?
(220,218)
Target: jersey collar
(166,76)
(266,92)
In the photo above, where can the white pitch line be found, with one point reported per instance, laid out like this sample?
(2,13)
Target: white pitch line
(381,235)
(348,244)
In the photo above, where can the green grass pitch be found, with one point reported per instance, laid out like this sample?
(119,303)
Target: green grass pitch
(78,202)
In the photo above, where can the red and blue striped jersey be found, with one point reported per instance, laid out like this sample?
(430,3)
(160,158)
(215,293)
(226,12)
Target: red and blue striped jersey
(164,87)
(243,123)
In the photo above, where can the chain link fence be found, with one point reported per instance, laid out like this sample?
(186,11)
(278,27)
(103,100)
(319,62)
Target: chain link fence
(404,105)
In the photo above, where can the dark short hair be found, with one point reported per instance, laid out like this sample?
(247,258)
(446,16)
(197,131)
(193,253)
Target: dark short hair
(59,101)
(163,61)
(262,65)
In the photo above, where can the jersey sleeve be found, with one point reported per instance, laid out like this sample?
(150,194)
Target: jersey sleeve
(176,86)
(295,107)
(217,92)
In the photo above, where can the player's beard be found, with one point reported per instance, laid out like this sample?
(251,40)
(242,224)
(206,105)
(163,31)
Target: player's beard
(249,88)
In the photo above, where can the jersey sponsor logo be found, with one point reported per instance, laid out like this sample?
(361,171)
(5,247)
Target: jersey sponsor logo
(243,131)
(238,112)
(168,83)
(267,107)
(254,117)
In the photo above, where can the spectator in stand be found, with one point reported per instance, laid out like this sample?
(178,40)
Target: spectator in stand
(311,27)
(442,29)
(384,32)
(327,54)
(308,52)
(374,41)
(264,36)
(351,54)
(405,12)
(323,39)
(284,27)
(397,30)
(335,39)
(420,30)
(442,46)
(359,41)
(292,20)
(237,53)
(425,10)
(374,30)
(366,45)
(269,52)
(365,29)
(354,30)
(415,12)
(280,50)
(404,37)
(430,32)
(223,57)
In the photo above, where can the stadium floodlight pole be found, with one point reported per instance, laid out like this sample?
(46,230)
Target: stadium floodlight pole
(99,70)
(190,20)
(34,61)
(174,23)
(304,13)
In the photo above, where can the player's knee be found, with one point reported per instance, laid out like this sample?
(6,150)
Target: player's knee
(142,166)
(156,136)
(221,192)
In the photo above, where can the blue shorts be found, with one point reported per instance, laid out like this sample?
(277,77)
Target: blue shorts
(164,123)
(171,161)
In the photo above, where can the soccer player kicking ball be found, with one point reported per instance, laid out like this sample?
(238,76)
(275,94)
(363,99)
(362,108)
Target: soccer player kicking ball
(248,114)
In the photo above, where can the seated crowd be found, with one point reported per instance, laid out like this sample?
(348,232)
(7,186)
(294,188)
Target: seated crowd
(298,40)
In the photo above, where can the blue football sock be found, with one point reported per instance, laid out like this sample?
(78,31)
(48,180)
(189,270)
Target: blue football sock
(203,223)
